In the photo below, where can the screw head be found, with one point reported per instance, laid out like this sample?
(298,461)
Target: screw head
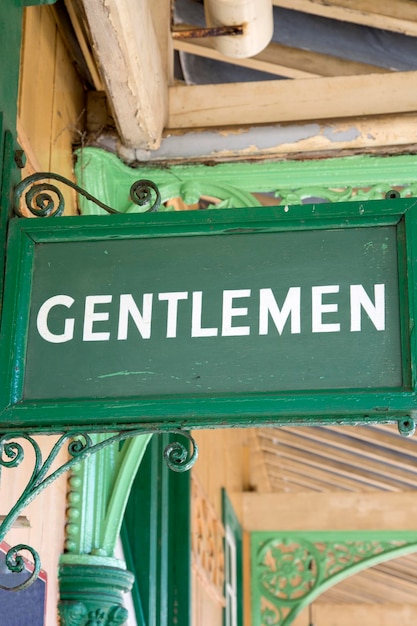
(20,158)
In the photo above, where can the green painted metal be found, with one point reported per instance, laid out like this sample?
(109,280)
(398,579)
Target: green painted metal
(99,539)
(157,542)
(48,386)
(289,569)
(291,182)
(92,595)
(46,200)
(97,497)
(232,524)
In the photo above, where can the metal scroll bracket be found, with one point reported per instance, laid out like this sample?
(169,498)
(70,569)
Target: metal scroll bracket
(43,199)
(80,446)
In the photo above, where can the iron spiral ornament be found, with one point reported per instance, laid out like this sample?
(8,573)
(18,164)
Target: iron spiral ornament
(79,446)
(44,199)
(176,455)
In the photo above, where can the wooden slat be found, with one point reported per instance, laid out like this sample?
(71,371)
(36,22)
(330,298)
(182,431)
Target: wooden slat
(322,475)
(339,440)
(338,469)
(365,471)
(285,101)
(304,439)
(302,481)
(399,16)
(282,60)
(258,473)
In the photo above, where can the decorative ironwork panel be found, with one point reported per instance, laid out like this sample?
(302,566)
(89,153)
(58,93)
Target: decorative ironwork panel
(290,570)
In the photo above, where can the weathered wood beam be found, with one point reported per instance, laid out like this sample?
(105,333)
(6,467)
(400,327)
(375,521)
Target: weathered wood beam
(399,16)
(289,101)
(329,511)
(128,54)
(283,60)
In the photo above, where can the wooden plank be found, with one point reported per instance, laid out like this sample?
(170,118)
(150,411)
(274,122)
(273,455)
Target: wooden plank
(66,122)
(399,16)
(329,511)
(285,101)
(282,60)
(131,66)
(36,92)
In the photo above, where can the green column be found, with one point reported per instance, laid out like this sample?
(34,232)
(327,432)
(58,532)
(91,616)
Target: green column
(92,580)
(92,595)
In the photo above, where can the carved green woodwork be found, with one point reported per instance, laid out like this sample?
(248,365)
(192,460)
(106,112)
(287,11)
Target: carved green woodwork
(92,595)
(290,569)
(356,178)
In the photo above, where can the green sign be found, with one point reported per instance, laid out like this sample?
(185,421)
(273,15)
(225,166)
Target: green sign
(203,319)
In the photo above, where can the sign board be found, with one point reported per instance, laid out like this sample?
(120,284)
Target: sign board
(199,319)
(27,606)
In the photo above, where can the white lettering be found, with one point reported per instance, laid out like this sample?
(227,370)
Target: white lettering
(376,310)
(172,297)
(42,320)
(318,308)
(91,316)
(268,306)
(142,320)
(229,312)
(196,329)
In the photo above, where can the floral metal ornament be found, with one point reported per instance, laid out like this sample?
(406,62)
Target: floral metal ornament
(290,570)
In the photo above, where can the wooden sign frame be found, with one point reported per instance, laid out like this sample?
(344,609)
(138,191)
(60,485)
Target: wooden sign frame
(25,373)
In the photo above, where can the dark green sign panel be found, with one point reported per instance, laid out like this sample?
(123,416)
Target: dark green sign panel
(211,318)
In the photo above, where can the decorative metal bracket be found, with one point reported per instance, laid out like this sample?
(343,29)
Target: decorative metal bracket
(80,446)
(46,200)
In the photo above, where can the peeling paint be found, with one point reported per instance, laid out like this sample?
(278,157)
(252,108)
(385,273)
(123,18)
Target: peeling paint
(216,143)
(350,134)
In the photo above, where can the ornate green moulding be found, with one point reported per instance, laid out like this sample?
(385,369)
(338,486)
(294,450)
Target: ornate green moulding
(289,570)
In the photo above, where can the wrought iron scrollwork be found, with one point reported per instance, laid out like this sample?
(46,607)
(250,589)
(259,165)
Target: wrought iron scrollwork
(80,446)
(43,199)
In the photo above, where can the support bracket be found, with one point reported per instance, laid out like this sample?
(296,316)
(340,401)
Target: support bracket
(80,446)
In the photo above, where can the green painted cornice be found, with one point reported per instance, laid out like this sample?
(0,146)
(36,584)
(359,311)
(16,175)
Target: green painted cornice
(105,176)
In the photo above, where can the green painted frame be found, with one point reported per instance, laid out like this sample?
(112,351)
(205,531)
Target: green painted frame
(230,520)
(166,412)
